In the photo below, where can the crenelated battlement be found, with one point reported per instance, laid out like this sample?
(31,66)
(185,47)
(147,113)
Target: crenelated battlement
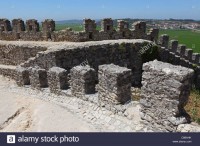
(179,54)
(30,31)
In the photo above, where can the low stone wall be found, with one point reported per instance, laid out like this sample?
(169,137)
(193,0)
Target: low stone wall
(113,90)
(125,53)
(8,72)
(32,36)
(69,35)
(9,36)
(15,54)
(164,94)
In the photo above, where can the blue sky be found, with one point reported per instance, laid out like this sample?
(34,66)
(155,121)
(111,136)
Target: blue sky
(97,9)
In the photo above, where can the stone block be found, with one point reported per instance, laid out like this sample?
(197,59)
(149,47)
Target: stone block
(173,46)
(153,35)
(195,58)
(22,76)
(5,25)
(139,29)
(165,92)
(57,79)
(181,50)
(114,84)
(18,25)
(164,54)
(107,25)
(48,25)
(32,25)
(82,80)
(164,41)
(38,78)
(188,54)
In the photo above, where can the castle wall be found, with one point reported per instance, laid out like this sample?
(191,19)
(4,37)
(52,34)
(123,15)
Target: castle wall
(9,72)
(164,94)
(178,54)
(18,25)
(5,25)
(31,31)
(122,53)
(15,55)
(32,36)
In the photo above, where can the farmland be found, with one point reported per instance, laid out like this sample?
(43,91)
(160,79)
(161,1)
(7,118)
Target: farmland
(190,38)
(75,27)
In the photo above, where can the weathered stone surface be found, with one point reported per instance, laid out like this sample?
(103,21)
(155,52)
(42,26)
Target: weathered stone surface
(5,25)
(114,84)
(153,35)
(8,71)
(123,28)
(57,79)
(139,29)
(193,127)
(164,54)
(197,78)
(188,54)
(165,92)
(82,80)
(107,25)
(90,32)
(196,58)
(18,25)
(22,76)
(124,53)
(173,46)
(181,50)
(16,54)
(32,25)
(48,25)
(38,78)
(164,41)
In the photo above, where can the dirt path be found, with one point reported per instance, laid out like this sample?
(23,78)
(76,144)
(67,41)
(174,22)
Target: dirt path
(23,114)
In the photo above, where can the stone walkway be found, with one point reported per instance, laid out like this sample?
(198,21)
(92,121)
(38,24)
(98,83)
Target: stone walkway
(100,118)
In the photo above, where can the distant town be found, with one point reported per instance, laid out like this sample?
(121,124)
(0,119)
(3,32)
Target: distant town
(151,23)
(174,24)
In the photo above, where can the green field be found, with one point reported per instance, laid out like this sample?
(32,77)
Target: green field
(75,27)
(189,38)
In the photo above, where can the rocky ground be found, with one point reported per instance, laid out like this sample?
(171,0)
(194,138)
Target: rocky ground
(23,109)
